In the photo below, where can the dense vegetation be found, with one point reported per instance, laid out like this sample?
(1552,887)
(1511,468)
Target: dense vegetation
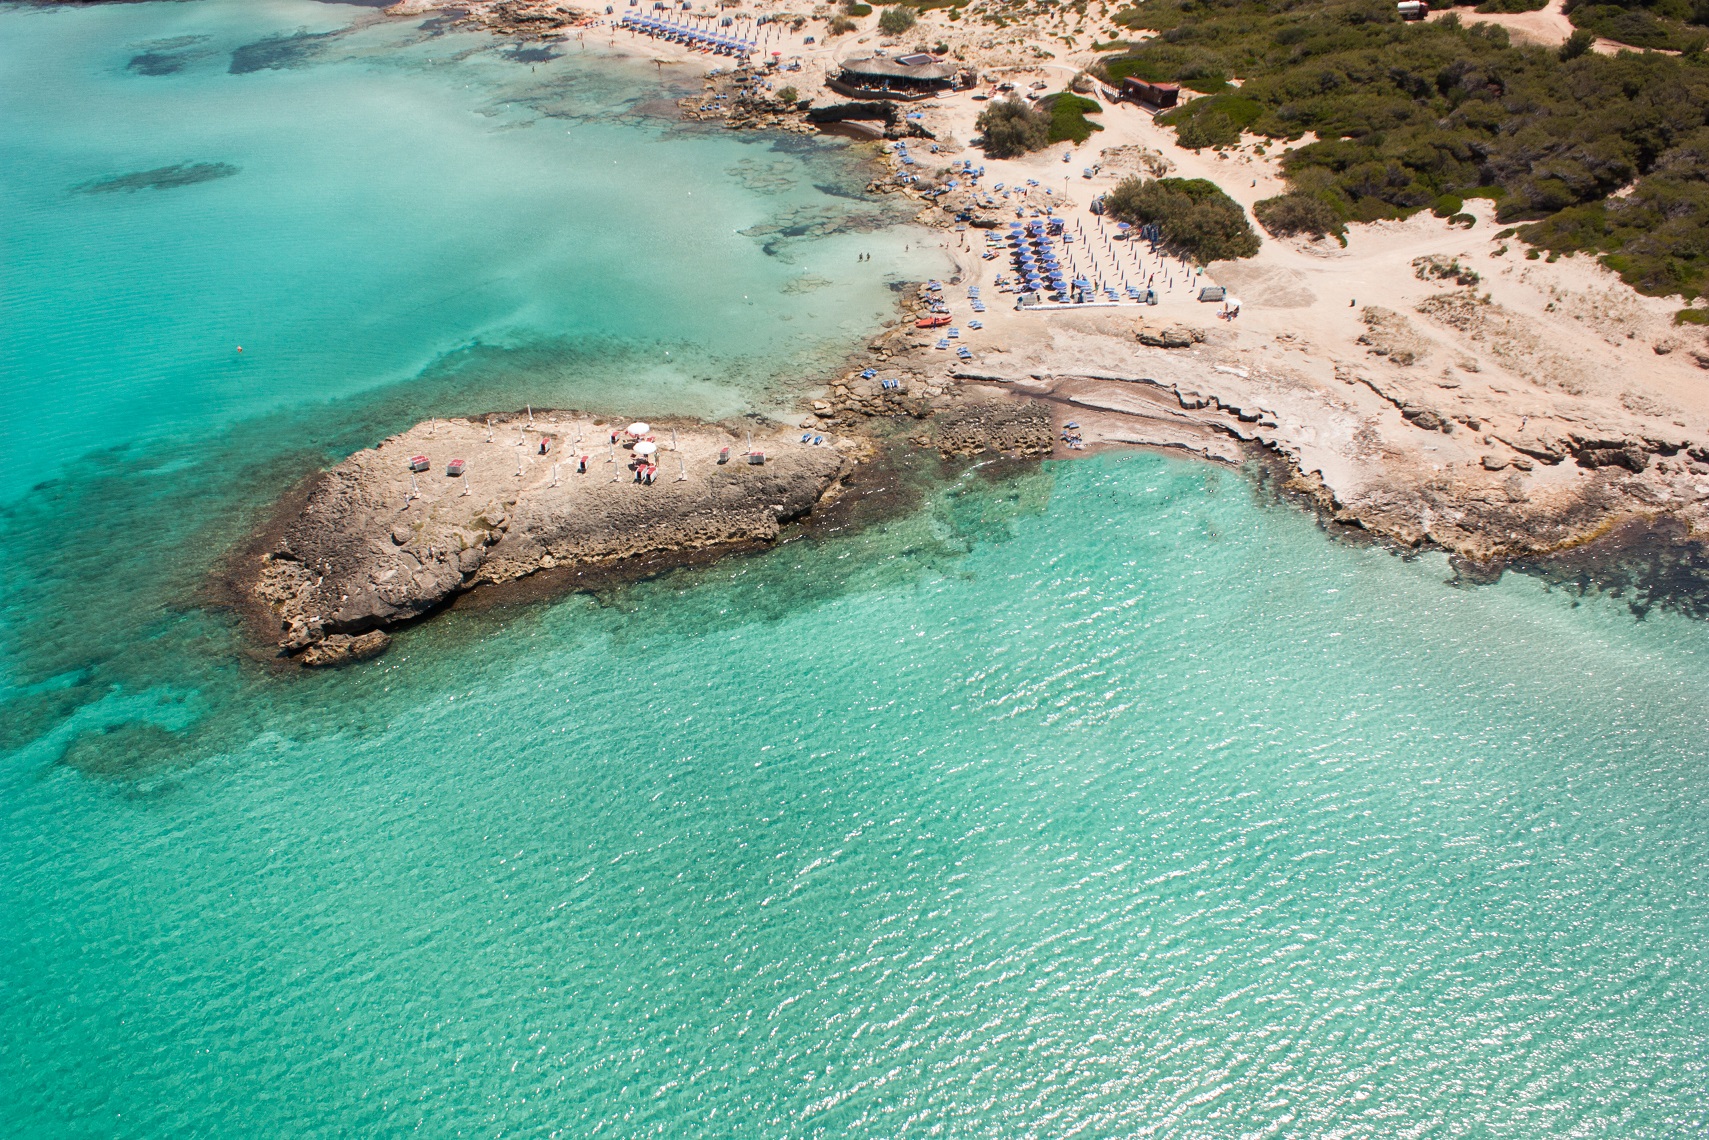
(1673,25)
(1196,217)
(1297,213)
(896,20)
(1011,128)
(1413,116)
(1068,121)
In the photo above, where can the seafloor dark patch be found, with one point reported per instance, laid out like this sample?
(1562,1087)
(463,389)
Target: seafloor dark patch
(835,191)
(280,52)
(535,54)
(161,178)
(157,63)
(1647,564)
(444,22)
(124,751)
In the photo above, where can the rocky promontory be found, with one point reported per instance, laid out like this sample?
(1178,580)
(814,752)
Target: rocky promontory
(375,542)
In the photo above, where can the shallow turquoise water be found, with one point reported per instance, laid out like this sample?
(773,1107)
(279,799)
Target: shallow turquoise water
(1103,799)
(406,207)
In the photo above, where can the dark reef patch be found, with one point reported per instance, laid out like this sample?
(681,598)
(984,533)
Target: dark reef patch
(833,190)
(157,63)
(443,22)
(1647,564)
(160,178)
(169,55)
(280,52)
(535,54)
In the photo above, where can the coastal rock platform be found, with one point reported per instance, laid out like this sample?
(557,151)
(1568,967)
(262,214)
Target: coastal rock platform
(372,543)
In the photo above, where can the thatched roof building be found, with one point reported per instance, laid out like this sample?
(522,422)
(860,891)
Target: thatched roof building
(901,77)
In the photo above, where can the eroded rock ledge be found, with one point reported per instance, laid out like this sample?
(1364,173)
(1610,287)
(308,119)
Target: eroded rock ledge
(374,544)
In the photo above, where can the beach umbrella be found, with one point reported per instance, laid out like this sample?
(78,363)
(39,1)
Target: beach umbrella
(639,428)
(646,447)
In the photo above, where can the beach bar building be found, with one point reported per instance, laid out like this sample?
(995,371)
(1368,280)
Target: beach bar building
(908,77)
(1159,95)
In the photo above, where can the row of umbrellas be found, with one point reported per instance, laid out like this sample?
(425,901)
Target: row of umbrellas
(673,30)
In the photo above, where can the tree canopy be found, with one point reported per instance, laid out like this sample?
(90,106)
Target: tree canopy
(1012,128)
(1194,215)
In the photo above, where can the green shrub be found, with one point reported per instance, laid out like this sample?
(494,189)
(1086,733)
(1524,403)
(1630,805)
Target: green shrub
(1513,5)
(1446,205)
(1195,216)
(1299,213)
(1011,128)
(1577,44)
(788,95)
(840,26)
(896,20)
(1691,317)
(1633,26)
(1214,121)
(1068,122)
(856,9)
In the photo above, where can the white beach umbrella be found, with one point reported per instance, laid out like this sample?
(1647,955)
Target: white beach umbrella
(646,447)
(639,428)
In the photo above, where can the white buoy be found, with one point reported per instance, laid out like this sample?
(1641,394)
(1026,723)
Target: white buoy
(489,429)
(518,467)
(682,468)
(673,439)
(414,491)
(530,408)
(554,474)
(750,450)
(465,481)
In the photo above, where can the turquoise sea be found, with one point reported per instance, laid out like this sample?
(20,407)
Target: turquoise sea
(1108,798)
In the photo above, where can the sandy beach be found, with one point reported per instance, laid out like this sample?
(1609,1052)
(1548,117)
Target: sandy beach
(1428,381)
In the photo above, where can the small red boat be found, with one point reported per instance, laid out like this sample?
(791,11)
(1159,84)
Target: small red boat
(418,463)
(936,322)
(454,468)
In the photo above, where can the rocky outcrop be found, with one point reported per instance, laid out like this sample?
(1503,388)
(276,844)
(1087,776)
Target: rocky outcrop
(343,649)
(1169,335)
(978,422)
(1389,334)
(376,544)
